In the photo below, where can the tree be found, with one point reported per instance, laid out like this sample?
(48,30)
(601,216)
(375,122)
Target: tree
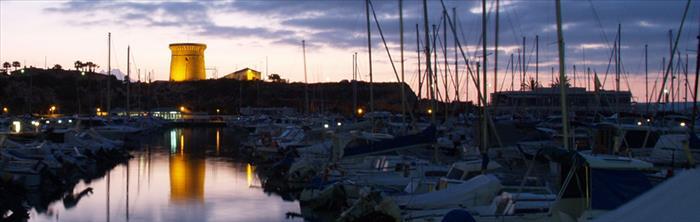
(6,66)
(79,65)
(16,65)
(274,78)
(57,67)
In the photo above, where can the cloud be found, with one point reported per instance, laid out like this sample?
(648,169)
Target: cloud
(589,25)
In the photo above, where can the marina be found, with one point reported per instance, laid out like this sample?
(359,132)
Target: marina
(443,135)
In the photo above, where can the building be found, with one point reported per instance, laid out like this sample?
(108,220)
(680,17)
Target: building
(187,62)
(546,101)
(244,74)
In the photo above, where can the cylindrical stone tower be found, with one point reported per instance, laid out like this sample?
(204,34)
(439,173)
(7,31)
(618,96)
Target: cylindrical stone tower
(187,62)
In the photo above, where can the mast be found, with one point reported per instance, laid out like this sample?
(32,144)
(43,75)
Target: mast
(495,52)
(646,75)
(369,51)
(128,79)
(454,12)
(427,54)
(562,79)
(524,63)
(420,78)
(537,60)
(512,73)
(484,129)
(444,58)
(434,84)
(403,93)
(695,89)
(306,81)
(109,72)
(618,60)
(354,84)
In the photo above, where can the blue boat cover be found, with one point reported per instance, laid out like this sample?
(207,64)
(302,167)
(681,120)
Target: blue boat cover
(613,188)
(428,135)
(458,215)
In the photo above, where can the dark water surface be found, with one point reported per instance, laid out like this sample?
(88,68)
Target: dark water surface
(177,175)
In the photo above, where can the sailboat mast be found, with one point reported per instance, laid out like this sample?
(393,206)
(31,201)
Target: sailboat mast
(695,89)
(444,58)
(484,130)
(369,51)
(403,90)
(427,55)
(456,75)
(562,79)
(495,52)
(420,74)
(109,72)
(306,81)
(128,79)
(646,75)
(537,60)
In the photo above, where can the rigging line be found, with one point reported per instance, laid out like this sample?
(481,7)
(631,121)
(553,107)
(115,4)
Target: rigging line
(605,77)
(600,24)
(675,47)
(381,34)
(505,76)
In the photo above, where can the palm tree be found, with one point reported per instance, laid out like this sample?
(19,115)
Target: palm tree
(78,65)
(6,66)
(57,66)
(16,65)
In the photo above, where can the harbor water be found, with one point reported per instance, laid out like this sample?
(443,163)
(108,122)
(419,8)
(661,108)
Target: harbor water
(181,174)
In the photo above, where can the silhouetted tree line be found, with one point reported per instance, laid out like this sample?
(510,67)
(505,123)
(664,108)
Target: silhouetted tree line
(71,92)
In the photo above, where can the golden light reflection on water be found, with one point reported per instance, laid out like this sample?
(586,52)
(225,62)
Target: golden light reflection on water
(187,171)
(218,142)
(167,184)
(186,178)
(249,174)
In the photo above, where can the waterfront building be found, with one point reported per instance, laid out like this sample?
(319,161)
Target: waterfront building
(546,101)
(247,74)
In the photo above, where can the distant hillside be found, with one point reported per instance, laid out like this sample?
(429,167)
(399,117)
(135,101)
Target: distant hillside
(36,90)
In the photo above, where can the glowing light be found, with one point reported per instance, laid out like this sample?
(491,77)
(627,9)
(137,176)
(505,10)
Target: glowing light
(82,73)
(665,91)
(70,121)
(182,109)
(340,124)
(16,126)
(648,120)
(682,124)
(4,109)
(47,122)
(639,123)
(98,110)
(21,71)
(360,111)
(182,143)
(60,121)
(217,111)
(249,174)
(430,111)
(325,125)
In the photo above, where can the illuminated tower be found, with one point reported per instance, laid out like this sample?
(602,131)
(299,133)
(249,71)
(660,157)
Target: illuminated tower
(187,62)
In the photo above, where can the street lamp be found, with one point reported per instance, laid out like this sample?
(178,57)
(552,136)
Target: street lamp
(82,73)
(360,111)
(5,110)
(217,111)
(182,109)
(52,109)
(430,111)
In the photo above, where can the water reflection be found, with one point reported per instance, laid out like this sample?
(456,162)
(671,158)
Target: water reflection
(179,175)
(186,178)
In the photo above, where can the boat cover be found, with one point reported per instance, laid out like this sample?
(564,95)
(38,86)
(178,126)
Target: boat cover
(676,199)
